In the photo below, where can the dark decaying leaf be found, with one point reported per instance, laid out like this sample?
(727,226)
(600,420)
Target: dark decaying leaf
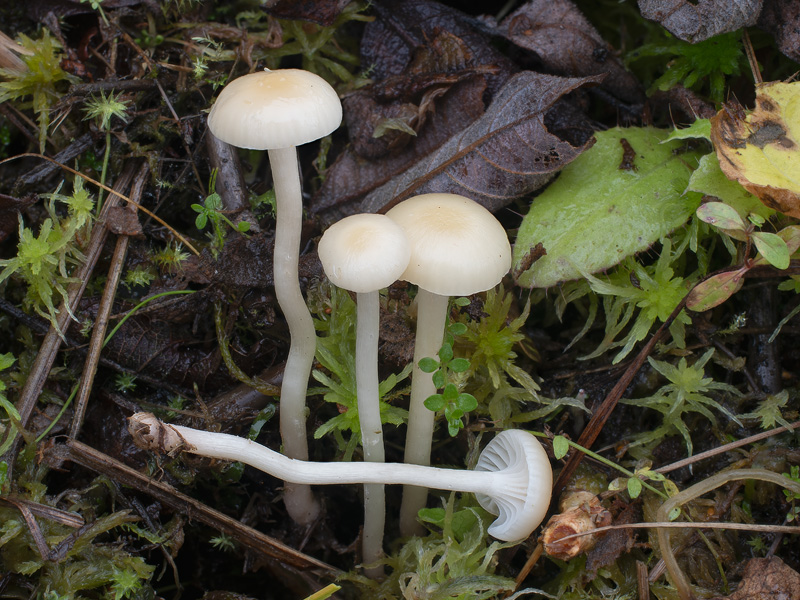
(352,177)
(323,12)
(505,154)
(766,578)
(389,43)
(781,18)
(695,21)
(567,44)
(386,116)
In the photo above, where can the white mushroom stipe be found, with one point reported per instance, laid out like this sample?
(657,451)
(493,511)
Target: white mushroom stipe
(513,478)
(276,111)
(365,253)
(458,248)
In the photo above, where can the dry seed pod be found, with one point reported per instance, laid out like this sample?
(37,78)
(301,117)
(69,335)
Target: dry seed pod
(581,512)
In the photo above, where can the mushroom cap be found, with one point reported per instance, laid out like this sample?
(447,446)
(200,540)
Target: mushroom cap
(524,496)
(458,248)
(267,110)
(364,253)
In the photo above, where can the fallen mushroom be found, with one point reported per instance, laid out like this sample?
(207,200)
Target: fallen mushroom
(365,253)
(512,478)
(277,111)
(458,248)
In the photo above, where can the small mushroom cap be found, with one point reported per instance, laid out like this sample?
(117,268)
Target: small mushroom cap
(275,109)
(525,497)
(458,248)
(364,253)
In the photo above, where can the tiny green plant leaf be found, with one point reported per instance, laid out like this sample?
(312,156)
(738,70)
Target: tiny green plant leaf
(634,487)
(560,447)
(720,215)
(772,248)
(715,290)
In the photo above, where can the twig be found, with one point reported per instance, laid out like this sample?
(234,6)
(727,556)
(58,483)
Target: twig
(247,536)
(103,311)
(727,447)
(684,525)
(148,212)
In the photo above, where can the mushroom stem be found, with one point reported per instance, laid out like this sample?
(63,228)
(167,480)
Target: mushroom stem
(512,478)
(431,319)
(299,501)
(369,419)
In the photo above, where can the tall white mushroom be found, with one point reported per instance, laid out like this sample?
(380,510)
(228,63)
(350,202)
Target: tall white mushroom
(458,248)
(513,478)
(365,253)
(277,111)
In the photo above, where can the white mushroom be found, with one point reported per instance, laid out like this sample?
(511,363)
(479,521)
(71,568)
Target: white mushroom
(458,248)
(276,111)
(513,477)
(364,254)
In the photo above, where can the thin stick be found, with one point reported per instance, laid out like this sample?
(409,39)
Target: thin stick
(727,447)
(751,57)
(146,211)
(247,536)
(685,525)
(103,311)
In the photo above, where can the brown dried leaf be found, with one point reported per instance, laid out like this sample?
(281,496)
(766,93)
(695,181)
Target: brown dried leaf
(695,21)
(507,153)
(323,12)
(390,43)
(405,101)
(567,44)
(781,18)
(610,546)
(351,177)
(768,579)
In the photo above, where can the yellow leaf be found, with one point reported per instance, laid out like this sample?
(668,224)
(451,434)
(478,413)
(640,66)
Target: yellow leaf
(760,150)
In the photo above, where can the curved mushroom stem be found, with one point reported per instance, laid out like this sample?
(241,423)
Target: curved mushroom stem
(513,477)
(431,319)
(299,501)
(369,419)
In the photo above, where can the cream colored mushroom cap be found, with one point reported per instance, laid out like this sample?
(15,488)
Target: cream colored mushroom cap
(458,248)
(364,253)
(275,109)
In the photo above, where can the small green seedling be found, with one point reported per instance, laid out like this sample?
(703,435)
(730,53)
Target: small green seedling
(455,404)
(773,249)
(211,211)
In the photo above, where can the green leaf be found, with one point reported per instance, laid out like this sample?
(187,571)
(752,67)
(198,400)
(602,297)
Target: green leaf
(708,179)
(773,248)
(715,290)
(458,365)
(596,213)
(428,364)
(453,413)
(450,392)
(439,379)
(446,353)
(701,128)
(434,402)
(720,215)
(560,446)
(457,328)
(466,402)
(634,487)
(461,301)
(6,360)
(200,221)
(243,226)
